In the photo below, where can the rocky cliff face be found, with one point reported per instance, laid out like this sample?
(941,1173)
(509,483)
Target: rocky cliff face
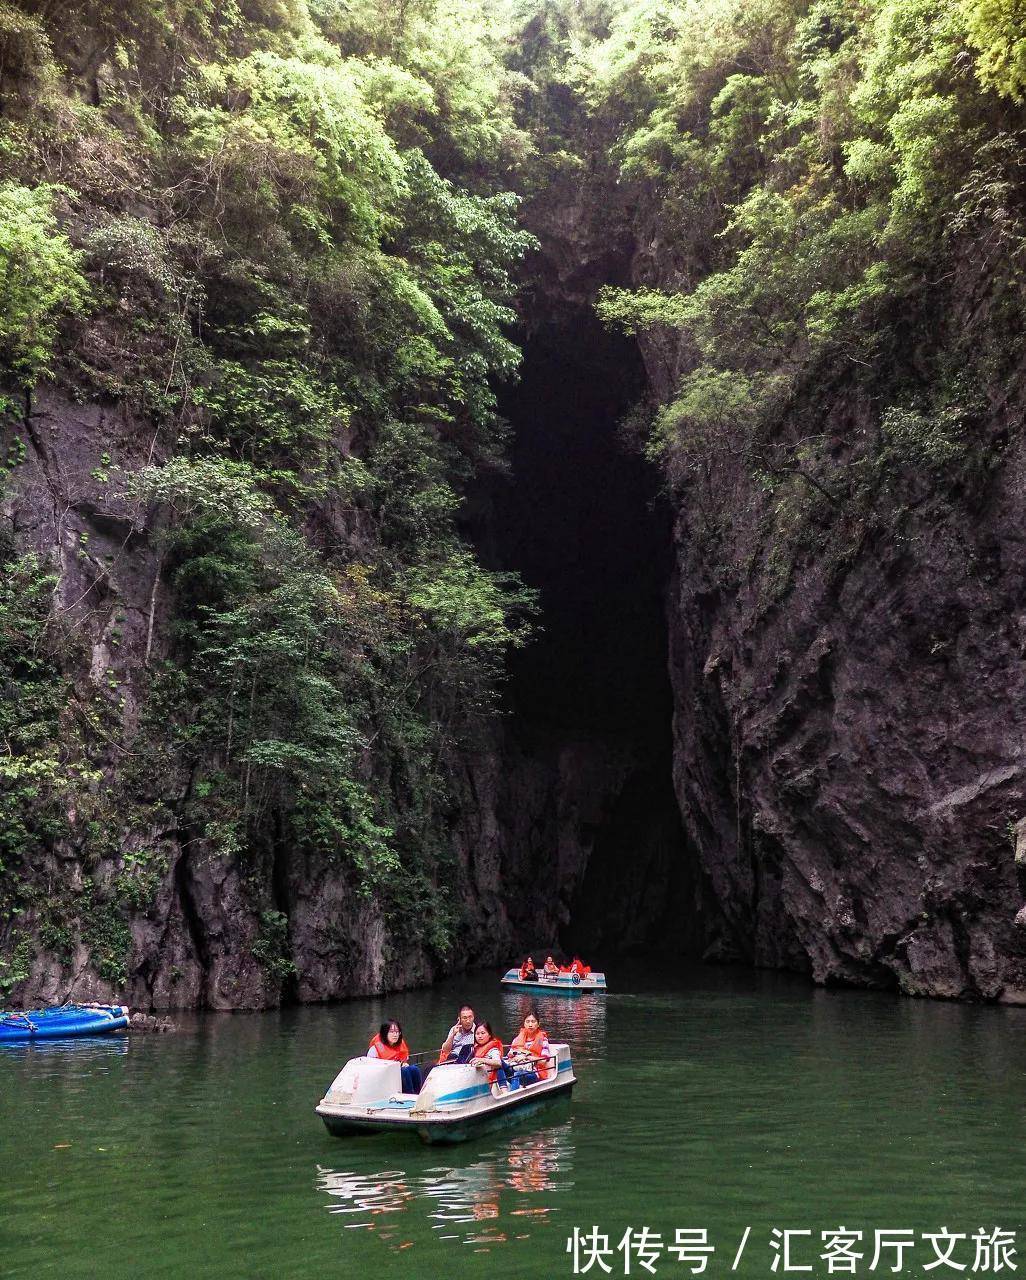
(848,773)
(837,397)
(848,735)
(213,929)
(559,818)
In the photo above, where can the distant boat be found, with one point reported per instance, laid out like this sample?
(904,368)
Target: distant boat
(64,1020)
(563,983)
(455,1103)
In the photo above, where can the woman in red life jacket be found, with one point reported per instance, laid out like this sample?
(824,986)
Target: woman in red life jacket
(528,972)
(390,1045)
(488,1057)
(531,1047)
(579,968)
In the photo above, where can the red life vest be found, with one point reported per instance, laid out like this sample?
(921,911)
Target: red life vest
(536,1047)
(483,1050)
(390,1052)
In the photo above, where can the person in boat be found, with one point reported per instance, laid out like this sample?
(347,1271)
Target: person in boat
(579,968)
(458,1045)
(551,968)
(390,1045)
(530,1053)
(488,1057)
(528,972)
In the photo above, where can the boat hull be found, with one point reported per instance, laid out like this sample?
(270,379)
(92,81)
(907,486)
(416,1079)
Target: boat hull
(453,1129)
(449,1131)
(58,1024)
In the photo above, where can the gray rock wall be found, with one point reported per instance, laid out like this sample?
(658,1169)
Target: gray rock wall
(849,746)
(521,825)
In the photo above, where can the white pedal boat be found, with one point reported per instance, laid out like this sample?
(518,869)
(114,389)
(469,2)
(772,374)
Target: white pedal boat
(566,984)
(455,1103)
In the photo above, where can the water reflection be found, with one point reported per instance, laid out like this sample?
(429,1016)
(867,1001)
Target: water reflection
(77,1049)
(486,1201)
(579,1021)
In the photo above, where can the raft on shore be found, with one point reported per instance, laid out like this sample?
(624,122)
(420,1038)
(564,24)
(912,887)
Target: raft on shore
(64,1020)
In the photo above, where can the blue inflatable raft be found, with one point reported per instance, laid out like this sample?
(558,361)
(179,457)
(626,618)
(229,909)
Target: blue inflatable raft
(65,1020)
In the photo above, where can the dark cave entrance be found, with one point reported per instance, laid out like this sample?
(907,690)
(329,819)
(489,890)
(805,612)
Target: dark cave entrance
(581,519)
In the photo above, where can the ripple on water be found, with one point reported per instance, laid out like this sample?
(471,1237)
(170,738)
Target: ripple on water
(727,1100)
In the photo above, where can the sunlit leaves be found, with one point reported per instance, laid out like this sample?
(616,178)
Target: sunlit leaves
(996,29)
(41,282)
(801,168)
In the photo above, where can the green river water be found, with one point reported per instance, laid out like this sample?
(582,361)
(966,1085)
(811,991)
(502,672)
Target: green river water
(718,1100)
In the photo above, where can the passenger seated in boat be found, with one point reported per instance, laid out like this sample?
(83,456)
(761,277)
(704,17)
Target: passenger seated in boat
(529,1053)
(458,1045)
(390,1045)
(551,968)
(488,1057)
(528,972)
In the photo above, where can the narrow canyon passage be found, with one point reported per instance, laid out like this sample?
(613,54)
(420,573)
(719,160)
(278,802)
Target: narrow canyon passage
(580,517)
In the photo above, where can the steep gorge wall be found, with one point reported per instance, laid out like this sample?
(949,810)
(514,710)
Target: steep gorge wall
(846,651)
(261,289)
(848,727)
(828,214)
(192,943)
(521,823)
(557,814)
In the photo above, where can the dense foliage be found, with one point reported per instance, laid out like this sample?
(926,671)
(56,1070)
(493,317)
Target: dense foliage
(830,200)
(281,234)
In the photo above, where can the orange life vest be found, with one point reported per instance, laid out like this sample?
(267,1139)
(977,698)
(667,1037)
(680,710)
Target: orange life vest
(535,1045)
(390,1052)
(483,1050)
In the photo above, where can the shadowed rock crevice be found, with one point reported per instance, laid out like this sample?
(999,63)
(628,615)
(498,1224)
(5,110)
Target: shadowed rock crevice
(581,519)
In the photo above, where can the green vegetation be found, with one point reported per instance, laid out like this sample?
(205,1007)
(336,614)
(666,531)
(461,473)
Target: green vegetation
(40,281)
(42,766)
(283,239)
(271,947)
(831,193)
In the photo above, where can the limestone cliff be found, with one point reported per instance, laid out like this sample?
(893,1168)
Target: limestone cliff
(214,928)
(848,741)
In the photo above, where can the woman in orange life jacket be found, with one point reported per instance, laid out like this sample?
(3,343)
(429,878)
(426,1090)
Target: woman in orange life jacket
(528,972)
(488,1057)
(390,1045)
(531,1048)
(551,968)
